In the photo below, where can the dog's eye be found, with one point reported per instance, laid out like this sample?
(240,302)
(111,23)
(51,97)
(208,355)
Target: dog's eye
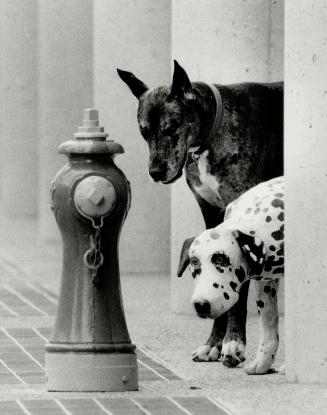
(221,259)
(194,261)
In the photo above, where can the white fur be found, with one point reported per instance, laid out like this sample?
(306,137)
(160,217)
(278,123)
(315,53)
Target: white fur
(209,189)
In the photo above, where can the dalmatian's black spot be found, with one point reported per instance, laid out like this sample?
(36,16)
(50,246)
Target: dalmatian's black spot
(259,312)
(226,296)
(268,219)
(196,272)
(266,289)
(215,285)
(273,292)
(271,261)
(233,285)
(277,203)
(272,248)
(277,337)
(273,356)
(281,250)
(230,269)
(281,216)
(257,211)
(240,273)
(260,304)
(221,270)
(278,235)
(222,286)
(248,210)
(252,232)
(279,194)
(278,270)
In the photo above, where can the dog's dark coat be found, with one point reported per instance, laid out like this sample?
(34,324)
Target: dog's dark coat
(247,150)
(249,146)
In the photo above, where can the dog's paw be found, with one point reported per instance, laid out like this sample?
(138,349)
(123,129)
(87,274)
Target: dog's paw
(206,353)
(264,359)
(232,353)
(259,366)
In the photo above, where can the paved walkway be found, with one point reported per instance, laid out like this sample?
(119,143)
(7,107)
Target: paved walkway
(170,383)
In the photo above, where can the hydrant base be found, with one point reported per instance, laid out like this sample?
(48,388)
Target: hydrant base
(91,372)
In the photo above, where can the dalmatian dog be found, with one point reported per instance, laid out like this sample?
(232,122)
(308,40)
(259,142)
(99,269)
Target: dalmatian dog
(247,245)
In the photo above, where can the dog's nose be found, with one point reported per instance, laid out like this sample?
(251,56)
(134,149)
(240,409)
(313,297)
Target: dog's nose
(157,173)
(203,309)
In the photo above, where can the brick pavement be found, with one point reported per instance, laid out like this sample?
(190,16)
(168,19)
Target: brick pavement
(24,308)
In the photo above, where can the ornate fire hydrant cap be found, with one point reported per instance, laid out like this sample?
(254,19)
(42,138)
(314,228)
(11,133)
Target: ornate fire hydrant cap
(94,197)
(90,138)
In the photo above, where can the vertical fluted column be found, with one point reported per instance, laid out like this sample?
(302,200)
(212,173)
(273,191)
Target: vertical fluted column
(19,135)
(135,36)
(306,202)
(65,86)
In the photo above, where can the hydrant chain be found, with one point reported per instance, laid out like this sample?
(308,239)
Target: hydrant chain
(93,257)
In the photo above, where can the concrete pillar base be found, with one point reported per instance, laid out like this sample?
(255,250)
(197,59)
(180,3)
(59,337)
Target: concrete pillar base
(91,372)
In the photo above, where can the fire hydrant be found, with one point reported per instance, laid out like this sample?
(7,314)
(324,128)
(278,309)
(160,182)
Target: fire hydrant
(90,348)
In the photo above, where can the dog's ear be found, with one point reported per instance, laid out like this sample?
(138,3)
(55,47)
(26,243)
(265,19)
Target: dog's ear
(184,258)
(135,85)
(181,83)
(253,249)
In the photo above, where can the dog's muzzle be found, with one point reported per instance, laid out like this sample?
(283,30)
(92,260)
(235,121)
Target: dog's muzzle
(158,173)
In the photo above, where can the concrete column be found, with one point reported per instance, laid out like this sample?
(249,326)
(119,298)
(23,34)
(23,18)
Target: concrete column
(65,87)
(19,107)
(134,36)
(218,42)
(306,202)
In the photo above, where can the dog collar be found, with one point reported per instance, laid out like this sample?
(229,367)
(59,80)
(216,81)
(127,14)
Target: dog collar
(196,150)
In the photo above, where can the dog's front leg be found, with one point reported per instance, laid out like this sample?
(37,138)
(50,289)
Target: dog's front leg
(266,297)
(211,350)
(233,347)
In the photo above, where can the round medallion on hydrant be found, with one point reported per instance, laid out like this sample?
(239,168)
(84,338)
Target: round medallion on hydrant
(94,197)
(90,348)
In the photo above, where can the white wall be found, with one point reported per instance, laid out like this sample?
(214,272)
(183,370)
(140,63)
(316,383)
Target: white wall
(219,42)
(19,138)
(134,36)
(306,201)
